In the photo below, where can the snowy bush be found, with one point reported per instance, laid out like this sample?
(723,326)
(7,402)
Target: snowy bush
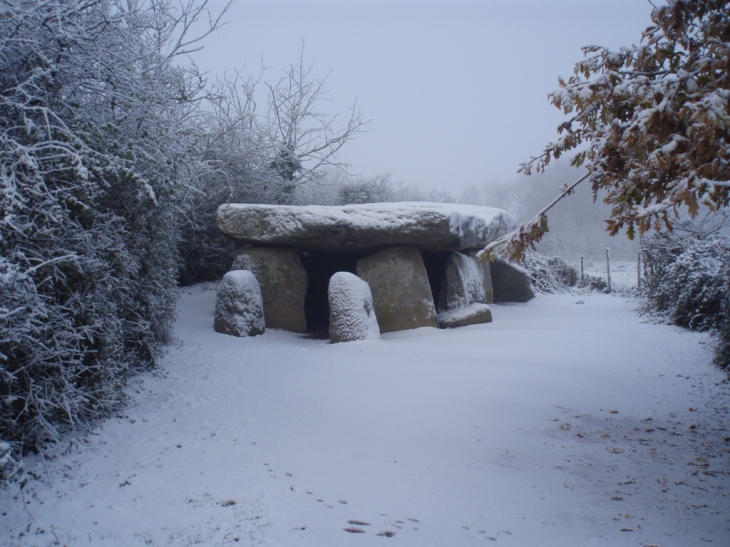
(549,275)
(687,280)
(10,468)
(95,146)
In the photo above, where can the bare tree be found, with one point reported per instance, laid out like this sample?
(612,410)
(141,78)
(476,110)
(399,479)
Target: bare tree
(303,139)
(258,157)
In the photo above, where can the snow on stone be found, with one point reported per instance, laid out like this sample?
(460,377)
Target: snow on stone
(352,316)
(239,308)
(435,226)
(469,287)
(474,314)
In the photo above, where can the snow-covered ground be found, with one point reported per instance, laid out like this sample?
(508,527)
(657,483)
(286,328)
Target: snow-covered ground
(567,421)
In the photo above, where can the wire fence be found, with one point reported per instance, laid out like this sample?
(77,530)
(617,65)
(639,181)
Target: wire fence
(619,274)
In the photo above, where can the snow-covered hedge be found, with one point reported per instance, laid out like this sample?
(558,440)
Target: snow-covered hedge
(549,274)
(95,138)
(687,283)
(687,280)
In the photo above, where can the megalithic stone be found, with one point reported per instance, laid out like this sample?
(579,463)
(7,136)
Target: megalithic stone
(464,282)
(283,282)
(486,269)
(511,282)
(239,308)
(352,315)
(399,284)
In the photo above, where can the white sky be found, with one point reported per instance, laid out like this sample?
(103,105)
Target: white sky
(456,90)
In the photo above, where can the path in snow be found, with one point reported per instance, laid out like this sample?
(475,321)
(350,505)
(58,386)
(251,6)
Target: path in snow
(560,423)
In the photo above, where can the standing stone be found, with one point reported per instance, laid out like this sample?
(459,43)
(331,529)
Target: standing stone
(399,284)
(486,275)
(464,282)
(511,283)
(283,282)
(239,308)
(352,316)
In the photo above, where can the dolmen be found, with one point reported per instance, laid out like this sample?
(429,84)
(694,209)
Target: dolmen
(408,265)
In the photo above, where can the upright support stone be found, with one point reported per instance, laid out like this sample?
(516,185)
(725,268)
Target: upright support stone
(464,282)
(352,315)
(511,283)
(239,308)
(486,275)
(399,284)
(283,282)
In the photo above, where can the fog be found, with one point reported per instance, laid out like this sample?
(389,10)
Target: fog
(456,90)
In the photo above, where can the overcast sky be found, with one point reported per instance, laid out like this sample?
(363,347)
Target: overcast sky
(456,90)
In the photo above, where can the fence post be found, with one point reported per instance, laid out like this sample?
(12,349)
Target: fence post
(581,268)
(638,272)
(608,267)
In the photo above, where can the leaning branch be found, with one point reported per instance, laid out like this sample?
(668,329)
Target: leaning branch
(524,234)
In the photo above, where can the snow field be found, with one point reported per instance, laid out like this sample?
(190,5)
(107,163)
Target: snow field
(566,421)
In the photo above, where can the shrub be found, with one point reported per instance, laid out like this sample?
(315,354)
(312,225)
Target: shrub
(95,138)
(687,281)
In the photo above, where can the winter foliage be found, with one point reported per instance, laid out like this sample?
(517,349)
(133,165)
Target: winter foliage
(650,122)
(115,154)
(686,281)
(97,128)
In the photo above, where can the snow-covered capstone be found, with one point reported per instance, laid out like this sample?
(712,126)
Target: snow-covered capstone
(239,308)
(352,316)
(368,227)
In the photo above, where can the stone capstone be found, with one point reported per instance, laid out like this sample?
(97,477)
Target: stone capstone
(239,308)
(352,316)
(401,294)
(464,282)
(511,283)
(364,228)
(283,282)
(461,317)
